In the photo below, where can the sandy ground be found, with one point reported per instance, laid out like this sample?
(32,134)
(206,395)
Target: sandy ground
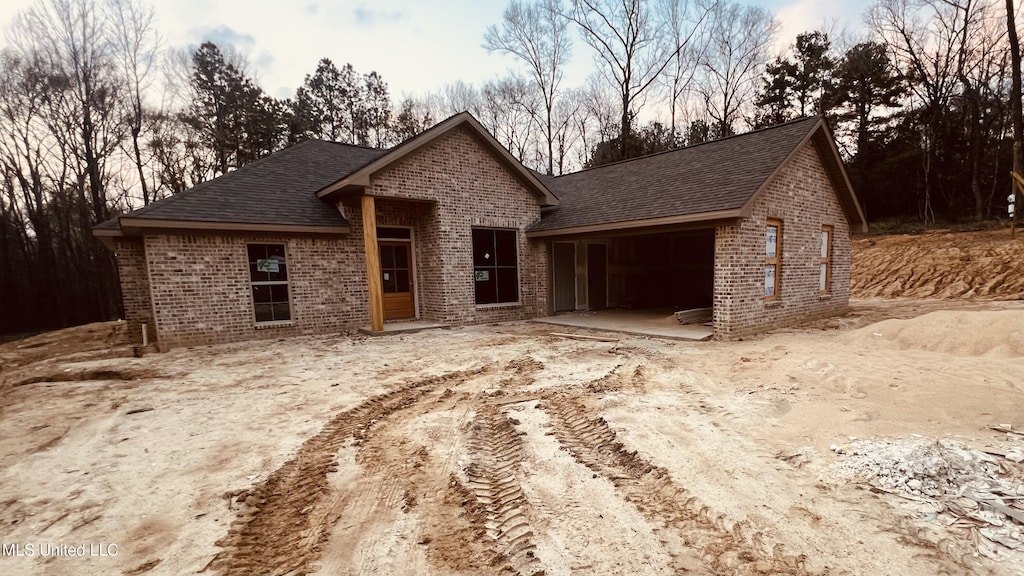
(502,449)
(861,444)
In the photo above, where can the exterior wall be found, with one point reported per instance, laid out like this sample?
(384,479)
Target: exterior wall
(202,295)
(195,289)
(131,268)
(802,196)
(465,187)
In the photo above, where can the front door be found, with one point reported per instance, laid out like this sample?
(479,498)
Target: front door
(397,278)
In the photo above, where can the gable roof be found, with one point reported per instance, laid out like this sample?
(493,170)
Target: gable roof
(275,193)
(710,181)
(360,178)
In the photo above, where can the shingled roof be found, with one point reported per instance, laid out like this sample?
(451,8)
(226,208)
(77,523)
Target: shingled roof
(276,191)
(713,180)
(287,191)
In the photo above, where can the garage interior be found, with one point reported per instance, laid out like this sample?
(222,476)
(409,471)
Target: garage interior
(662,272)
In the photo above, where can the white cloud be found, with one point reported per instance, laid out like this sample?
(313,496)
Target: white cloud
(809,15)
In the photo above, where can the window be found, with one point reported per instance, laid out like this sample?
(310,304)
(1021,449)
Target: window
(825,266)
(268,274)
(773,259)
(495,266)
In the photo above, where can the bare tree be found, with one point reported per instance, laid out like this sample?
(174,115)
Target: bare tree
(455,98)
(597,119)
(74,35)
(981,68)
(1015,101)
(687,25)
(25,89)
(926,38)
(508,108)
(625,37)
(136,44)
(538,35)
(739,42)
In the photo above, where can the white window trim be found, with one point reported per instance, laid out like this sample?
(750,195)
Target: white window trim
(252,302)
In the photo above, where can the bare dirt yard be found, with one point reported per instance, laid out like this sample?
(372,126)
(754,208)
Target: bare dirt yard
(858,445)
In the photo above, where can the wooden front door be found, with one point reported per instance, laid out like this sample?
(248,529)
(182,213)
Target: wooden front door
(397,279)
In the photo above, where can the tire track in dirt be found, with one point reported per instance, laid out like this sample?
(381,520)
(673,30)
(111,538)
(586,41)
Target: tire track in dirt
(496,456)
(698,540)
(284,520)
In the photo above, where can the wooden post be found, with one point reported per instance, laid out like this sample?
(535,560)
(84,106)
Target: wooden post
(373,281)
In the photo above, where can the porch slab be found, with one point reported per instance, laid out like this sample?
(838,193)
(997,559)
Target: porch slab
(658,323)
(409,327)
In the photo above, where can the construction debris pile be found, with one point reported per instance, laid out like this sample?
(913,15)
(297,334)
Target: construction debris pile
(950,485)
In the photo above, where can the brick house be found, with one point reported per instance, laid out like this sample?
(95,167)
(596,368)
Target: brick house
(323,237)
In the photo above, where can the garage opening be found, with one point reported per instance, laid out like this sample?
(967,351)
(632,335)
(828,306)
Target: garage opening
(670,271)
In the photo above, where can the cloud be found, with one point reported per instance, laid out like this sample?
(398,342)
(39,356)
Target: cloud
(367,17)
(799,16)
(224,36)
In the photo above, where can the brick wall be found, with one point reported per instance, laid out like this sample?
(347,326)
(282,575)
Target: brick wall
(465,187)
(801,195)
(202,294)
(200,288)
(131,268)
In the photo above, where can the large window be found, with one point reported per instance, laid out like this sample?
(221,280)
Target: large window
(495,266)
(773,259)
(825,261)
(268,274)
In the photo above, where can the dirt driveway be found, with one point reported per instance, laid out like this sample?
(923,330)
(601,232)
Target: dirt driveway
(505,450)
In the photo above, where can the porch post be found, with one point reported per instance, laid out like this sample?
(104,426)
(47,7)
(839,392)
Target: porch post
(373,281)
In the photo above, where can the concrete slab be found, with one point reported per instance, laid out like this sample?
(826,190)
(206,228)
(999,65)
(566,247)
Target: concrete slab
(659,323)
(403,327)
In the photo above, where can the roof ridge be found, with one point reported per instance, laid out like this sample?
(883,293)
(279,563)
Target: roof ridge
(692,146)
(336,143)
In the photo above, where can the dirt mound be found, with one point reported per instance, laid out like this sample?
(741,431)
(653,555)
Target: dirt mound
(86,342)
(939,264)
(997,333)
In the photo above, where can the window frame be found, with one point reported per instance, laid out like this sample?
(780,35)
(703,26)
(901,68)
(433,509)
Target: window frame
(519,290)
(826,260)
(775,261)
(286,282)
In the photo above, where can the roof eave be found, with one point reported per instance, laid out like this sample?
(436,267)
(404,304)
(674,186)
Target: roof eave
(137,226)
(708,217)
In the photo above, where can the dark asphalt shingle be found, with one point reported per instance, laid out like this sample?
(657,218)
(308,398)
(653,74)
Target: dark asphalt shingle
(278,189)
(718,175)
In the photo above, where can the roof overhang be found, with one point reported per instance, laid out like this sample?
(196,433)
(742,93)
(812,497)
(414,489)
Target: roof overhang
(359,180)
(823,141)
(636,226)
(130,226)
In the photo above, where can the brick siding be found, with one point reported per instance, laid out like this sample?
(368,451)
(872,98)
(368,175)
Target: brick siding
(802,197)
(202,293)
(200,288)
(131,268)
(465,187)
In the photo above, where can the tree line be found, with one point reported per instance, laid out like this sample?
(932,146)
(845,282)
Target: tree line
(98,118)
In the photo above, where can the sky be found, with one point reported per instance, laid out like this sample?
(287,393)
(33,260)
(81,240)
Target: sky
(417,46)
